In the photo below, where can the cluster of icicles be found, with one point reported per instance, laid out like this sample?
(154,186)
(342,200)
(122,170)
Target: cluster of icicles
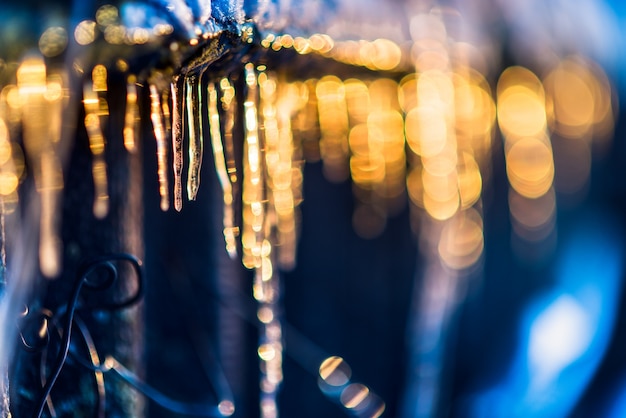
(423,134)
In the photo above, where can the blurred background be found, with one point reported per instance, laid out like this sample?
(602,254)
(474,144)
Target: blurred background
(406,208)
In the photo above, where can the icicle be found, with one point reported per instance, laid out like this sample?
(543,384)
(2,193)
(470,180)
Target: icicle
(42,99)
(160,135)
(177,140)
(131,119)
(193,102)
(230,231)
(253,185)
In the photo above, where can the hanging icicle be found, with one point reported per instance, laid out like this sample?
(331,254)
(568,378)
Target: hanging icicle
(193,104)
(43,98)
(177,139)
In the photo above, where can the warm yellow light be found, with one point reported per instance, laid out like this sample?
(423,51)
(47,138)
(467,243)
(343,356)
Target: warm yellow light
(530,167)
(520,103)
(357,100)
(470,180)
(407,93)
(387,54)
(115,34)
(5,145)
(266,352)
(85,32)
(415,186)
(335,371)
(354,395)
(441,210)
(53,41)
(426,131)
(333,122)
(521,112)
(8,183)
(107,15)
(461,242)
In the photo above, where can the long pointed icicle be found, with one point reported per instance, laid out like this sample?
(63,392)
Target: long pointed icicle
(230,232)
(193,103)
(160,135)
(177,141)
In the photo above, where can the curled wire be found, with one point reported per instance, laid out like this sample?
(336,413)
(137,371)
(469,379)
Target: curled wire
(86,280)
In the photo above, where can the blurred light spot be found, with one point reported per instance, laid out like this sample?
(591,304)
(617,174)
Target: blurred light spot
(107,15)
(387,54)
(115,34)
(441,209)
(85,32)
(558,336)
(13,97)
(354,395)
(6,150)
(426,131)
(266,352)
(8,183)
(139,36)
(162,29)
(226,408)
(265,314)
(530,167)
(407,93)
(415,187)
(5,145)
(570,92)
(333,122)
(50,247)
(461,242)
(54,90)
(520,112)
(53,41)
(521,103)
(470,180)
(286,41)
(335,371)
(357,100)
(440,180)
